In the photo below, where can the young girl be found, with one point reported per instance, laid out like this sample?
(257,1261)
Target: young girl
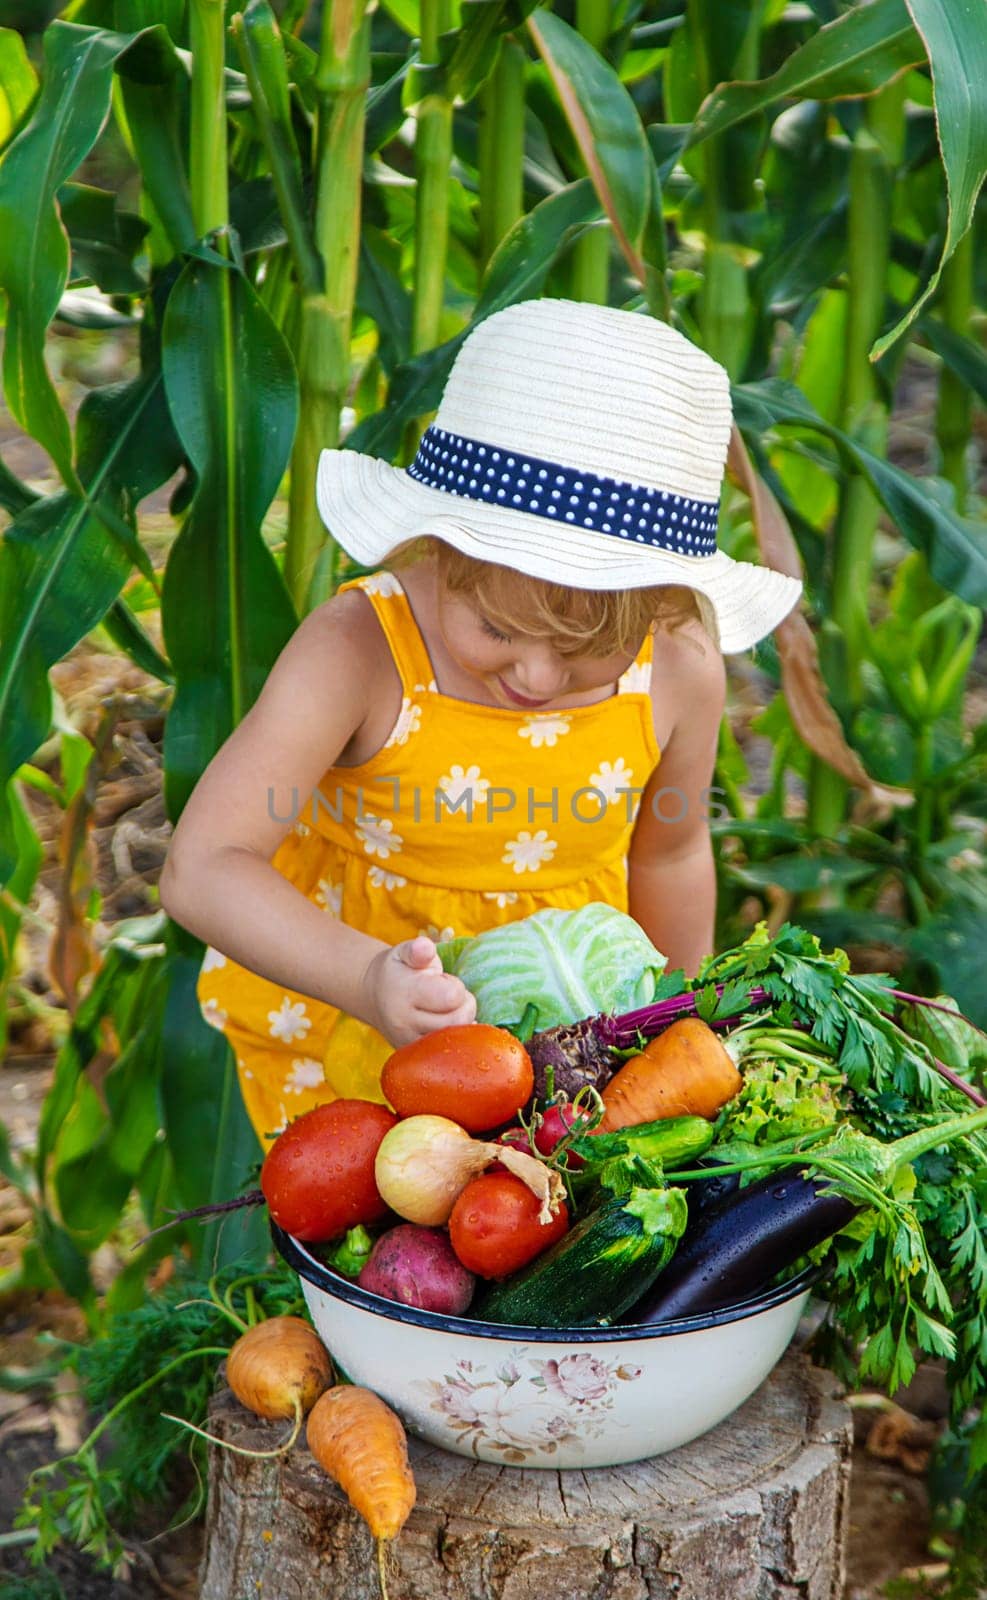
(520,711)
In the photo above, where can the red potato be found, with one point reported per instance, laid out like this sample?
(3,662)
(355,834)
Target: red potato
(318,1176)
(417,1266)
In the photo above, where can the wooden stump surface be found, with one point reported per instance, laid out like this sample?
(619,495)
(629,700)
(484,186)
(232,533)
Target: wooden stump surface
(754,1510)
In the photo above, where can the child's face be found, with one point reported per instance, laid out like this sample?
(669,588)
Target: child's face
(519,669)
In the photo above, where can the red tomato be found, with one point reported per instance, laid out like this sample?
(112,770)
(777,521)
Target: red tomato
(318,1176)
(476,1075)
(494,1225)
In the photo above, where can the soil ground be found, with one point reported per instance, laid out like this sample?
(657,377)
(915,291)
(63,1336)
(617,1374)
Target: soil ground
(121,709)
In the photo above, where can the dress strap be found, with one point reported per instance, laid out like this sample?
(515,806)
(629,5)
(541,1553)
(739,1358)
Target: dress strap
(637,678)
(400,629)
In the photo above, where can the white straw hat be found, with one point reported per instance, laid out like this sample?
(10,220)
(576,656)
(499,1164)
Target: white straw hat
(573,443)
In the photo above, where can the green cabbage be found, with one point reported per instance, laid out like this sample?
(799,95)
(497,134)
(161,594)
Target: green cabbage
(567,965)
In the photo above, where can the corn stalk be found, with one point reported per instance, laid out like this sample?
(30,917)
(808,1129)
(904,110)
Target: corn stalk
(589,269)
(433,153)
(876,156)
(501,150)
(322,350)
(954,410)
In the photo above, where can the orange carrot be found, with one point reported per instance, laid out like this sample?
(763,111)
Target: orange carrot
(685,1071)
(359,1441)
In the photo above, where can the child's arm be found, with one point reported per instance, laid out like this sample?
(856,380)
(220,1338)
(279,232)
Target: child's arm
(671,876)
(218,880)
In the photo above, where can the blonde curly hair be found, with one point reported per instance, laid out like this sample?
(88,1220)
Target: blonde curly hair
(580,622)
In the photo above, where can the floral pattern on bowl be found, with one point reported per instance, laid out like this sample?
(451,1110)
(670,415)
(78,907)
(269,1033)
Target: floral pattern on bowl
(520,1414)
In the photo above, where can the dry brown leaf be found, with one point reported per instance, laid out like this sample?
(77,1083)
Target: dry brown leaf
(812,715)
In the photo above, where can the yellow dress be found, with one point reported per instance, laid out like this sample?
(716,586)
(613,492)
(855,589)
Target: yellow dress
(467,817)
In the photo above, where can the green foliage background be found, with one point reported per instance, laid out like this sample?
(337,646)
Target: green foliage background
(321,202)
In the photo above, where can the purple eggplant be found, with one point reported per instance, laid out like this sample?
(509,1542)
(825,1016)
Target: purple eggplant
(733,1250)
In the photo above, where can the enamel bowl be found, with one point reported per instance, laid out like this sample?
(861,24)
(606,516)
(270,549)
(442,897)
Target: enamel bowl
(541,1397)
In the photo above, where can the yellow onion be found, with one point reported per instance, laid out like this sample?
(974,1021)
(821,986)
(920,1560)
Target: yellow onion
(424,1164)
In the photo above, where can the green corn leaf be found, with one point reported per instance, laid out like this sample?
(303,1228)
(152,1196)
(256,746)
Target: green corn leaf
(225,611)
(127,634)
(606,126)
(15,496)
(959,353)
(104,240)
(34,248)
(955,40)
(855,55)
(120,975)
(102,1151)
(153,108)
(380,294)
(63,561)
(262,56)
(18,82)
(516,272)
(213,1147)
(29,855)
(519,265)
(59,574)
(955,549)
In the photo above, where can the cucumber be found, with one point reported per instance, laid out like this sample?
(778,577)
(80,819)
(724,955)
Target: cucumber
(602,1266)
(671,1141)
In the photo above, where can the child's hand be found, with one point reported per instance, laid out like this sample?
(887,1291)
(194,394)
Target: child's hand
(409,995)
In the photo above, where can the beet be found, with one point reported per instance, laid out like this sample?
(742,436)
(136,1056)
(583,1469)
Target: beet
(578,1054)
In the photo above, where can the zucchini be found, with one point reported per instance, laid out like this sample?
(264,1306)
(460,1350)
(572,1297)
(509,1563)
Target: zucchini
(605,1263)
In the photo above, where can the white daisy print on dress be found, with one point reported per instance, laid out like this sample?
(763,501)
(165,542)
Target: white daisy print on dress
(385,880)
(302,829)
(546,729)
(409,721)
(501,897)
(611,778)
(212,959)
(381,583)
(243,1069)
(213,1013)
(438,935)
(304,1074)
(291,1022)
(330,897)
(431,687)
(460,781)
(636,680)
(377,836)
(529,851)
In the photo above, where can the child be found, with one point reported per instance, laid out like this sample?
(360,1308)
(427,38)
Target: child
(521,711)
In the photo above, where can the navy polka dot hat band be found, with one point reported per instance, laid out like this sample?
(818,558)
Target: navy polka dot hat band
(576,444)
(477,471)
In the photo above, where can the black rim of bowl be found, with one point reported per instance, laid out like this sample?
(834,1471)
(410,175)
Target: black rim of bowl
(339,1288)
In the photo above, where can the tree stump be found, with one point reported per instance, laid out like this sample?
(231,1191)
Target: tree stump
(754,1510)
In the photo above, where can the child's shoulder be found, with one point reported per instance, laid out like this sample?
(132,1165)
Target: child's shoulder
(688,652)
(688,678)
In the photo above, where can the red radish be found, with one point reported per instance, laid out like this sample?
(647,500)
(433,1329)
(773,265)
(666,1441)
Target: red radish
(557,1122)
